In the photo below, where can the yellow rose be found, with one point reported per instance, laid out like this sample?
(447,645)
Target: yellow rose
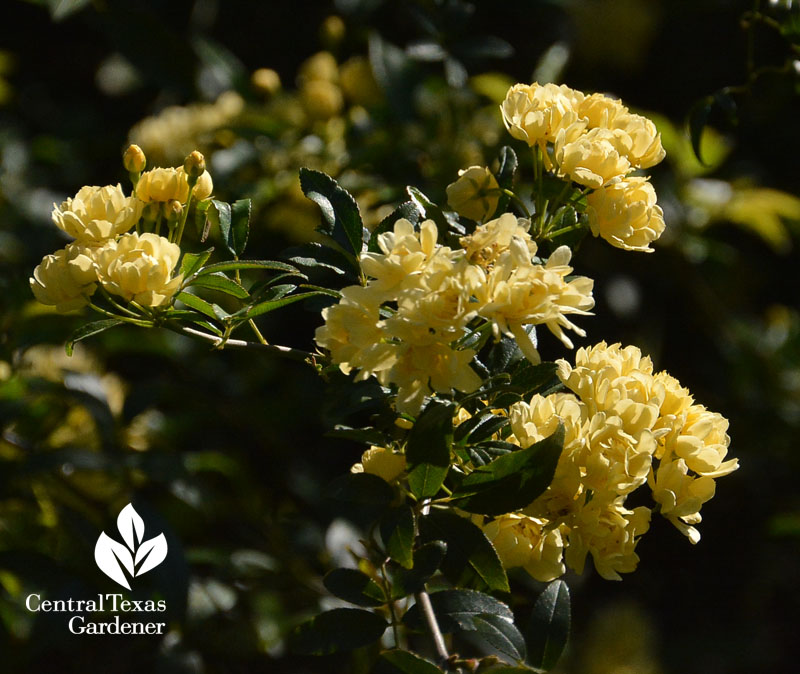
(321,99)
(489,241)
(358,83)
(527,542)
(139,268)
(600,110)
(382,462)
(592,158)
(321,66)
(66,279)
(96,214)
(681,495)
(537,113)
(475,194)
(626,214)
(645,141)
(167,184)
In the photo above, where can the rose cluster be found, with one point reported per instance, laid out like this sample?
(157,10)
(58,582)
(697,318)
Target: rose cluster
(596,142)
(136,266)
(404,326)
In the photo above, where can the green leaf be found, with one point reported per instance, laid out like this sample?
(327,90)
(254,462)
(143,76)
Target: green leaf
(457,609)
(480,427)
(240,226)
(355,587)
(512,481)
(271,305)
(221,283)
(315,255)
(193,262)
(398,661)
(531,378)
(198,304)
(428,209)
(468,550)
(342,629)
(61,9)
(361,497)
(426,479)
(505,176)
(427,560)
(397,532)
(341,218)
(548,629)
(88,330)
(367,436)
(219,214)
(248,264)
(395,73)
(406,211)
(698,118)
(501,635)
(428,448)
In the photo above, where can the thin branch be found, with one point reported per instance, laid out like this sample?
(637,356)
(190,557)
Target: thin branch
(285,351)
(425,605)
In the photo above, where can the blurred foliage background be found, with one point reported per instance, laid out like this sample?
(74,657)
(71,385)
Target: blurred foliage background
(228,454)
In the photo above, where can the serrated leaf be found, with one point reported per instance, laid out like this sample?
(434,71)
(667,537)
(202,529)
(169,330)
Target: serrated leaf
(468,549)
(271,305)
(484,427)
(248,264)
(341,219)
(198,304)
(221,283)
(240,226)
(427,560)
(219,214)
(428,448)
(405,211)
(512,481)
(367,436)
(531,378)
(397,532)
(89,330)
(548,630)
(193,262)
(398,661)
(457,609)
(342,629)
(428,209)
(354,586)
(502,635)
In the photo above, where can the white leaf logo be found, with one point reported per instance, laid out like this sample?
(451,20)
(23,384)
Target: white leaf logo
(114,559)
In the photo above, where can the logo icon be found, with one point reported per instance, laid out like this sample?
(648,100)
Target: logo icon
(136,557)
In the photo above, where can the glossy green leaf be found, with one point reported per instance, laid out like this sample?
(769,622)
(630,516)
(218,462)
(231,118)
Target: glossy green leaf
(193,262)
(248,264)
(427,560)
(428,448)
(428,209)
(354,586)
(548,630)
(468,550)
(341,219)
(342,629)
(198,304)
(397,532)
(88,330)
(361,497)
(502,635)
(698,118)
(406,211)
(512,481)
(221,283)
(219,214)
(398,661)
(457,609)
(240,226)
(271,305)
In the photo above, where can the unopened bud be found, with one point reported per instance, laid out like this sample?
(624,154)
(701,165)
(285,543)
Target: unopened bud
(266,81)
(134,160)
(332,30)
(195,164)
(173,209)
